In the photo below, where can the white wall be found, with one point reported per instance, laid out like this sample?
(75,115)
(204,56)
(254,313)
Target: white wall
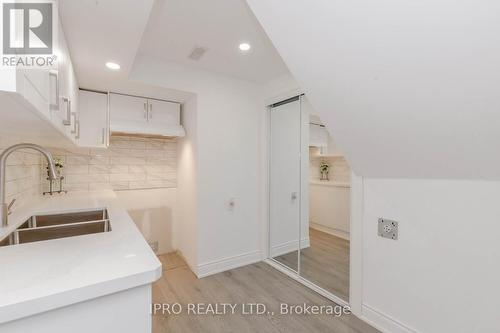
(408,92)
(442,274)
(329,208)
(153,211)
(186,229)
(228,157)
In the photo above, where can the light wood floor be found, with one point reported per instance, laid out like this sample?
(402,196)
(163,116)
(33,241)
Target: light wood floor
(325,262)
(253,283)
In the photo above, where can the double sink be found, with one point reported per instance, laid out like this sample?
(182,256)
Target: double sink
(45,227)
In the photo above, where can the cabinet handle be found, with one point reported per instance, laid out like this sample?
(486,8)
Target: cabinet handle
(150,111)
(145,110)
(77,123)
(73,131)
(67,121)
(103,136)
(56,76)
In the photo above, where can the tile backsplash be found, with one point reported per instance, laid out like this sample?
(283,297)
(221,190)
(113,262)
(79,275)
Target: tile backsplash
(129,163)
(22,173)
(339,168)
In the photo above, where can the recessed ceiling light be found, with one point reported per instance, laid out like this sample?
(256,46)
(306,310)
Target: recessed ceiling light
(244,47)
(113,65)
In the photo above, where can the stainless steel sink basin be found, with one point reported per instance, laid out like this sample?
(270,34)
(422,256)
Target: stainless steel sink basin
(53,226)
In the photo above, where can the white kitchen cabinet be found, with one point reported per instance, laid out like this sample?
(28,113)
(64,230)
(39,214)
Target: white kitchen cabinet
(163,113)
(35,89)
(49,93)
(141,115)
(64,112)
(127,112)
(93,119)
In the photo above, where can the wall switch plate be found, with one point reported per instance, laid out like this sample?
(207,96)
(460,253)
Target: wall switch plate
(388,228)
(154,246)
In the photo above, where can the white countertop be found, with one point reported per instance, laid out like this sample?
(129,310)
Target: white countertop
(329,183)
(40,276)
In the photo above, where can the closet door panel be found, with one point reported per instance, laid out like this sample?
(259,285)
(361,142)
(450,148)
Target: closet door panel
(285,183)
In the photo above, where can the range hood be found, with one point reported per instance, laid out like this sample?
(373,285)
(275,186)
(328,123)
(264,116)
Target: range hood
(131,129)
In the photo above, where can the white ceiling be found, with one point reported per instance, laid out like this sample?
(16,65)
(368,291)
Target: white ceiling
(123,31)
(176,27)
(98,31)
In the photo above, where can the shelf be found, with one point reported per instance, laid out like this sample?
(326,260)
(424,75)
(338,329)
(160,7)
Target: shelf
(330,183)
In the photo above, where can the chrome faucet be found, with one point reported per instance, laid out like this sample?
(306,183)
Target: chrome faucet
(4,209)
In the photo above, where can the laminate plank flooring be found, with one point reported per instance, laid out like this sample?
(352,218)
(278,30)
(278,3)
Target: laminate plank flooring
(256,283)
(325,262)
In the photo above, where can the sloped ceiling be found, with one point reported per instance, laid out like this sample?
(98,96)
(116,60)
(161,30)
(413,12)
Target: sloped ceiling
(409,89)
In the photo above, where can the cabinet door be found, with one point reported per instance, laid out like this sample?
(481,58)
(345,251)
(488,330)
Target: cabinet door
(127,113)
(162,113)
(61,115)
(93,118)
(73,98)
(285,198)
(36,89)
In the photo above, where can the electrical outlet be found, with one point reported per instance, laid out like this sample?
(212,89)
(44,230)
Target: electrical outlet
(154,246)
(388,228)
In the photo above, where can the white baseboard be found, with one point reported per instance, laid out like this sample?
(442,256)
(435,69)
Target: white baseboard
(383,322)
(284,248)
(228,263)
(331,231)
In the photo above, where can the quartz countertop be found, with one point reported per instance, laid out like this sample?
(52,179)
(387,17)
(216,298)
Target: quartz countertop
(41,276)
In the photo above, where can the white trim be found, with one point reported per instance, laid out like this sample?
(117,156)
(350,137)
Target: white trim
(331,231)
(292,274)
(265,234)
(287,247)
(384,322)
(283,96)
(356,246)
(221,265)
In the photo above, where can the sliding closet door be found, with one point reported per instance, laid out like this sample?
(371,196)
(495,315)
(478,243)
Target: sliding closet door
(285,183)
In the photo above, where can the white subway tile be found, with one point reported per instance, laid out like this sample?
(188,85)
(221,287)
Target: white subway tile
(119,185)
(99,160)
(99,169)
(77,159)
(128,160)
(118,168)
(70,169)
(127,177)
(77,187)
(100,186)
(137,169)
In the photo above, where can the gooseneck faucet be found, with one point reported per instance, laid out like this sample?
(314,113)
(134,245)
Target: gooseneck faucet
(4,209)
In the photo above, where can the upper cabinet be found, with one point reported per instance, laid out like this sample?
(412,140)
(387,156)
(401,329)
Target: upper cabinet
(93,119)
(144,116)
(49,93)
(64,91)
(127,112)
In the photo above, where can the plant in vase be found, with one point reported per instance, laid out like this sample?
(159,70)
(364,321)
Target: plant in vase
(59,166)
(324,169)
